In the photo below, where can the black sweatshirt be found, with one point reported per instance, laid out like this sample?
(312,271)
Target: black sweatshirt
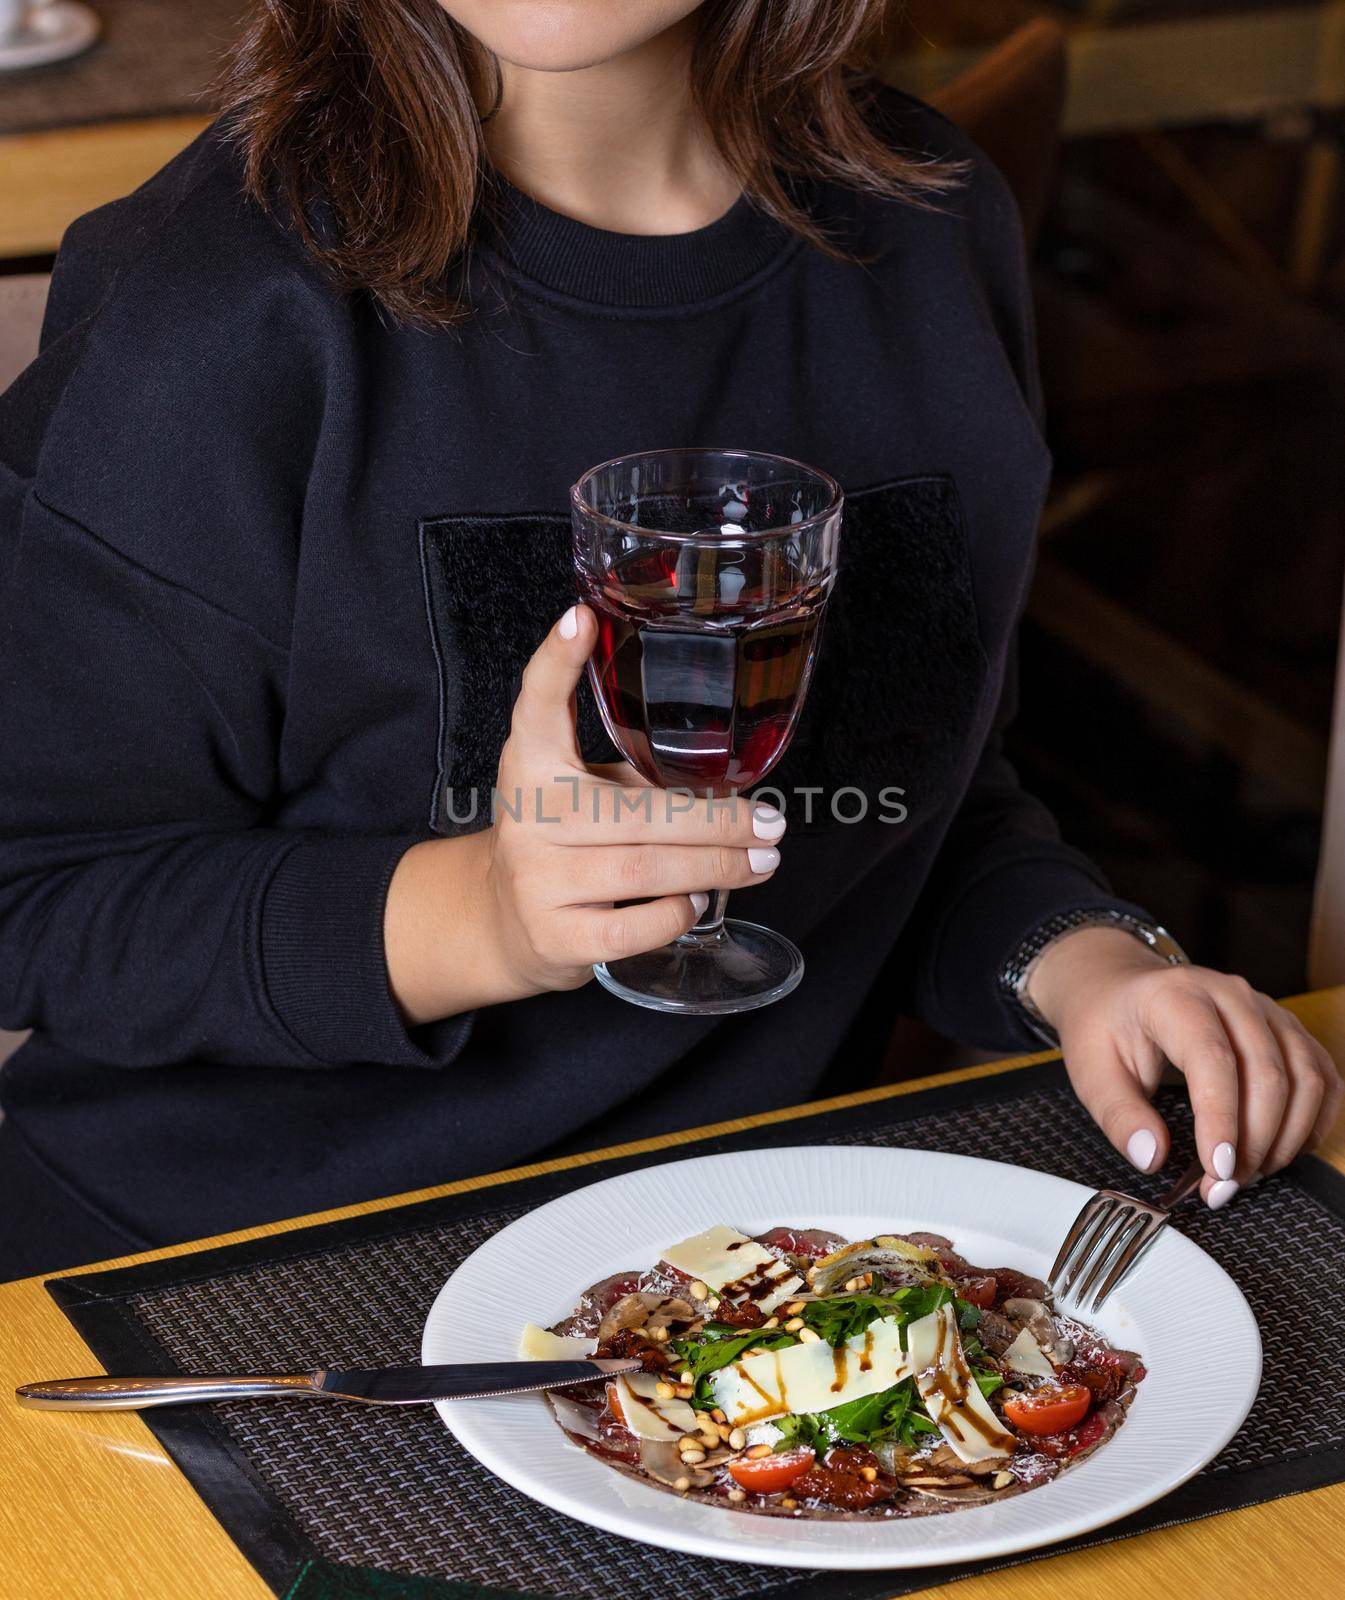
(269,571)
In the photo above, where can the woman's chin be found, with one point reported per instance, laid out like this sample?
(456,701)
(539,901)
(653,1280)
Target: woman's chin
(565,35)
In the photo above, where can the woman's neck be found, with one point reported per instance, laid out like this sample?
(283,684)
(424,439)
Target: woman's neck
(617,145)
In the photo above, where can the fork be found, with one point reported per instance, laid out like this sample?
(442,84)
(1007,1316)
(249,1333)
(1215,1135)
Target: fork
(1110,1233)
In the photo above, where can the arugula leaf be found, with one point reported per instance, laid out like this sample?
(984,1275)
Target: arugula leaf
(897,1412)
(857,1421)
(842,1317)
(703,1357)
(968,1315)
(987,1380)
(918,1422)
(796,1431)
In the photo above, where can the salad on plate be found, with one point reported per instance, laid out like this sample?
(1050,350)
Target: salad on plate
(800,1374)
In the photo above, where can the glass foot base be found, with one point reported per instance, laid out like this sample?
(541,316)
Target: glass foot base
(739,968)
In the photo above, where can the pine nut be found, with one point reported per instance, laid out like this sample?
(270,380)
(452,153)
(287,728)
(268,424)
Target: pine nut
(1002,1480)
(688,1441)
(789,1504)
(711,1438)
(736,1439)
(737,1496)
(758,1452)
(682,1485)
(699,1291)
(869,1474)
(725,1432)
(702,1419)
(685,1391)
(664,1391)
(771,1322)
(659,1335)
(718,1415)
(793,1325)
(807,1336)
(851,1284)
(692,1458)
(686,1377)
(794,1307)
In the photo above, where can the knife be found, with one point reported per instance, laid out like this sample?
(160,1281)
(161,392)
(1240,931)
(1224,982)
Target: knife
(370,1386)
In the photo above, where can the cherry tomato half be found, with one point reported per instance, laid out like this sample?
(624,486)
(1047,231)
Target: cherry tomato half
(770,1474)
(1051,1409)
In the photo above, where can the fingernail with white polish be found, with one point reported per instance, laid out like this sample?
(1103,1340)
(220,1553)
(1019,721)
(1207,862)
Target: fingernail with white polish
(763,860)
(767,822)
(1142,1147)
(1221,1193)
(700,904)
(569,623)
(1225,1158)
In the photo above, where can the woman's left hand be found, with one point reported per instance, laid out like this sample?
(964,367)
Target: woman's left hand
(1261,1086)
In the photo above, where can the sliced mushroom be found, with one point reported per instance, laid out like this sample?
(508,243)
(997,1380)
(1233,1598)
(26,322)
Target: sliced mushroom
(941,1489)
(893,1456)
(887,1255)
(942,1459)
(663,1461)
(996,1332)
(670,1312)
(1037,1319)
(631,1311)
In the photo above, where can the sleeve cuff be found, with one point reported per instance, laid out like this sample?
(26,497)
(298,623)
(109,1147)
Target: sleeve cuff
(981,933)
(324,969)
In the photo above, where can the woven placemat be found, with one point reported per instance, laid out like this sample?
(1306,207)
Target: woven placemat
(344,1501)
(154,58)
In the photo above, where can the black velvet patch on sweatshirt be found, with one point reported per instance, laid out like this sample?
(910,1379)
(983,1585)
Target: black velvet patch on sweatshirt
(493,586)
(900,668)
(894,692)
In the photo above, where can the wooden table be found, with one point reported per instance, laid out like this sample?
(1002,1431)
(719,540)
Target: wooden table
(92,1506)
(48,179)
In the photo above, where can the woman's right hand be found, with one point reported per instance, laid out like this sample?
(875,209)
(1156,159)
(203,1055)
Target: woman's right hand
(527,905)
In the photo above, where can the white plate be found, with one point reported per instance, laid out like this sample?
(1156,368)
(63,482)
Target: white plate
(1179,1309)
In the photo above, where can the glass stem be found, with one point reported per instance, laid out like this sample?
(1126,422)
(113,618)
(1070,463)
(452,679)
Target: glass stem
(711,922)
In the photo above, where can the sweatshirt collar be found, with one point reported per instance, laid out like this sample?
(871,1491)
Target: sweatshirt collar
(627,269)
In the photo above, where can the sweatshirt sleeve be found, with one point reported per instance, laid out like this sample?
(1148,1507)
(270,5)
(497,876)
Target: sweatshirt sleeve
(148,914)
(153,908)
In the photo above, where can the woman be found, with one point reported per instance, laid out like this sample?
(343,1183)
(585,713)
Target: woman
(284,519)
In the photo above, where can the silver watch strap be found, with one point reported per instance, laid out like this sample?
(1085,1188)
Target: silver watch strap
(1014,975)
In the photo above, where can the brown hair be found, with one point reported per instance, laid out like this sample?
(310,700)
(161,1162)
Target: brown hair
(364,113)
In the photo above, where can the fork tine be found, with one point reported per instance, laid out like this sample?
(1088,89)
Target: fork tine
(1152,1225)
(1085,1215)
(1126,1222)
(1102,1207)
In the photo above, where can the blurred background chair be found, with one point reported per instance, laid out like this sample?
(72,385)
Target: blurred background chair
(1326,957)
(1011,103)
(1179,650)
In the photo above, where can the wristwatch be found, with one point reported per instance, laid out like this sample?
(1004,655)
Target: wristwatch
(1014,975)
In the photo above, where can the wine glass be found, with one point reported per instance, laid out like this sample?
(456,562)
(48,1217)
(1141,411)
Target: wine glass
(708,571)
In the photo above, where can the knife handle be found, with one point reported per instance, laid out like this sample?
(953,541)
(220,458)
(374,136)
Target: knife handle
(132,1394)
